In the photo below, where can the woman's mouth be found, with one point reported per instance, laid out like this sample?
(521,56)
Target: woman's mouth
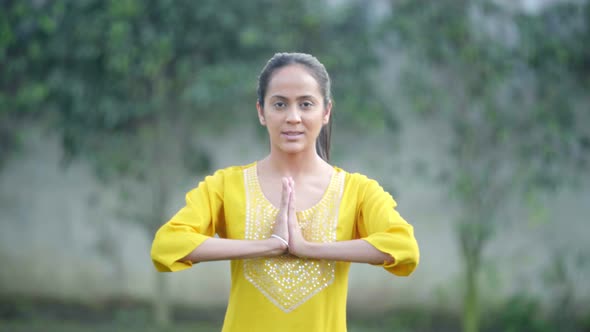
(292,134)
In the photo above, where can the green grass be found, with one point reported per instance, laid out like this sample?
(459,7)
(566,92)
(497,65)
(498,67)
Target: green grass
(20,314)
(56,326)
(70,326)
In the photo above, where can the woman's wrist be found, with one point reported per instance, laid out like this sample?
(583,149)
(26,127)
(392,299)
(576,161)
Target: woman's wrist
(303,249)
(282,239)
(278,246)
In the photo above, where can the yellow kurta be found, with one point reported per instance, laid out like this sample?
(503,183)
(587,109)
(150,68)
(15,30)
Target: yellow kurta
(286,293)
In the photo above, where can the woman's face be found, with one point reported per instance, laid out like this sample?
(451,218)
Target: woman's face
(294,110)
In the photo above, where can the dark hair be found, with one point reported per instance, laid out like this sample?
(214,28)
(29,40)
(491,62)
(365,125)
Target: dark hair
(318,71)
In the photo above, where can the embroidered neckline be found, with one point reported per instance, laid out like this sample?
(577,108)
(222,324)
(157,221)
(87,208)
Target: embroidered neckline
(289,281)
(325,195)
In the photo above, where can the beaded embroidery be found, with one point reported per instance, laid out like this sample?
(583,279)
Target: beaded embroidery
(289,281)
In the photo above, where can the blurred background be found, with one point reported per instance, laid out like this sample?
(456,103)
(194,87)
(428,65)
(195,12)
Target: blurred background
(474,114)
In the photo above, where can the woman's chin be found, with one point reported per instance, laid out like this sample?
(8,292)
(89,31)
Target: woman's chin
(292,147)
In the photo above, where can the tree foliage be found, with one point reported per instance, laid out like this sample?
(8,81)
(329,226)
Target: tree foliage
(103,73)
(126,84)
(511,85)
(130,85)
(514,78)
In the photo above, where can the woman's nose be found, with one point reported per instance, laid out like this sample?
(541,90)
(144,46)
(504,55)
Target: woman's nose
(293,115)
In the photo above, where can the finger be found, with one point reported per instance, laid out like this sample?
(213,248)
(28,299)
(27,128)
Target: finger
(285,194)
(292,216)
(292,202)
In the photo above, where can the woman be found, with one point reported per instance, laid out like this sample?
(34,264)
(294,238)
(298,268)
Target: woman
(290,223)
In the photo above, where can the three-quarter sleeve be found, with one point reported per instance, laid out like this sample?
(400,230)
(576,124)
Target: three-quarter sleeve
(197,221)
(382,226)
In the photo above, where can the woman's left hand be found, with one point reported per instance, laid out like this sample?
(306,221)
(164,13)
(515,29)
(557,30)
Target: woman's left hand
(297,243)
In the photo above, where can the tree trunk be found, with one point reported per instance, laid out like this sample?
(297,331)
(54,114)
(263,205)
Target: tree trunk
(161,302)
(471,298)
(160,153)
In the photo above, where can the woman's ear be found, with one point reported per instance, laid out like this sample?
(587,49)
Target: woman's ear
(327,113)
(260,113)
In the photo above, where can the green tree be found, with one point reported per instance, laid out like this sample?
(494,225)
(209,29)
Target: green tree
(491,74)
(126,83)
(22,66)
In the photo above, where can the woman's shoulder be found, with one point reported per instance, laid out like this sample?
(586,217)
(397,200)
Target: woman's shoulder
(355,178)
(229,172)
(360,186)
(233,169)
(222,178)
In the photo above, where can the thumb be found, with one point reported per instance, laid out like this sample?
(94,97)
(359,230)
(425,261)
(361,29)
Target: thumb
(285,196)
(292,214)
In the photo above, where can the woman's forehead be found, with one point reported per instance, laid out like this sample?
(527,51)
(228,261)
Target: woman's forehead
(292,80)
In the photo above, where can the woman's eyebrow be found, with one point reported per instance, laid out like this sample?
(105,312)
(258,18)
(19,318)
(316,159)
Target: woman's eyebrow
(299,98)
(278,96)
(306,97)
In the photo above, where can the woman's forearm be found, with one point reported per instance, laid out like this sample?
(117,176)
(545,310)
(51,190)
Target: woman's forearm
(215,249)
(359,251)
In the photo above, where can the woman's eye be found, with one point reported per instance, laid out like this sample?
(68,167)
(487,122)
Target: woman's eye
(306,105)
(279,104)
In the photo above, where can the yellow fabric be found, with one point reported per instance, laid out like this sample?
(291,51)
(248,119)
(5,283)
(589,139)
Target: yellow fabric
(218,206)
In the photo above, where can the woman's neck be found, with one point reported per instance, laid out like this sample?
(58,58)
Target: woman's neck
(294,165)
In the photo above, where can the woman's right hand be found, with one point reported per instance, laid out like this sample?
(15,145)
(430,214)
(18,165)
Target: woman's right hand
(281,226)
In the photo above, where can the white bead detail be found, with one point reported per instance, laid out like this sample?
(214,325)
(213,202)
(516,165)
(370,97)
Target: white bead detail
(289,281)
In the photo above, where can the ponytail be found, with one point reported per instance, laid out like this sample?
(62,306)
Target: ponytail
(323,141)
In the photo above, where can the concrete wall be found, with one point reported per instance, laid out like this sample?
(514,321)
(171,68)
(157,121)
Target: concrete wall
(62,233)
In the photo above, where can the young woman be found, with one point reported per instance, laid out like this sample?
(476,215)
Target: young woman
(290,223)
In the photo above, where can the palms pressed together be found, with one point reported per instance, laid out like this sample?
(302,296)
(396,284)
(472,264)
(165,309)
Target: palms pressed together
(286,225)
